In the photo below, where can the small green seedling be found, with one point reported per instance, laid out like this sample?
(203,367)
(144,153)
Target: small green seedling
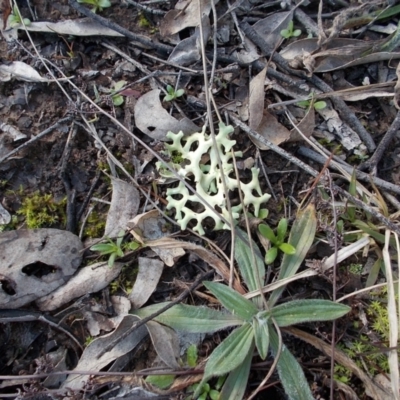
(114,249)
(88,340)
(98,5)
(115,93)
(191,356)
(117,98)
(173,94)
(262,214)
(289,32)
(16,19)
(277,241)
(205,392)
(318,105)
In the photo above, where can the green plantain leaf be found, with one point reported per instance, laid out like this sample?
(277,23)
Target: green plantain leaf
(298,311)
(229,354)
(287,248)
(271,255)
(267,232)
(282,229)
(103,248)
(232,300)
(187,318)
(179,92)
(111,259)
(290,372)
(235,384)
(246,265)
(301,238)
(261,336)
(118,100)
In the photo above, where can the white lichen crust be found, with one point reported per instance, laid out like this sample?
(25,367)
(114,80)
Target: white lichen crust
(208,180)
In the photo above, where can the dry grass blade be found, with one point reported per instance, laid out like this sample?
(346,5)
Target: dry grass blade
(393,321)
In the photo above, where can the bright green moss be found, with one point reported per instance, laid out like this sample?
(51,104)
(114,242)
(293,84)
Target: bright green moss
(42,211)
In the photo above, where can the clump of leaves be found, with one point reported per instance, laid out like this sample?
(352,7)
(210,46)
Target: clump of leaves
(289,32)
(114,249)
(42,210)
(98,5)
(16,19)
(277,241)
(173,94)
(257,323)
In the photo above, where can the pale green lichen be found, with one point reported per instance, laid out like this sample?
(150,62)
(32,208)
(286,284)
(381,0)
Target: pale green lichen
(208,179)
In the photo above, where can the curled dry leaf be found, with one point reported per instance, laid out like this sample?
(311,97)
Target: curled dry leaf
(22,71)
(154,120)
(165,342)
(187,51)
(12,132)
(275,132)
(149,226)
(34,263)
(90,360)
(149,274)
(90,279)
(256,99)
(186,14)
(96,322)
(125,202)
(397,88)
(206,255)
(5,216)
(270,128)
(76,27)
